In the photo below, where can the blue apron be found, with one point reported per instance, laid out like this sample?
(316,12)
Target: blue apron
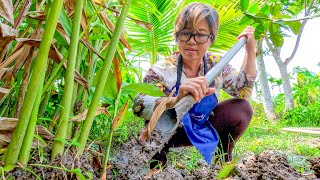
(200,131)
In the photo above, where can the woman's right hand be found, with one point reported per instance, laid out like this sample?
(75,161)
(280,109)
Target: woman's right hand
(198,87)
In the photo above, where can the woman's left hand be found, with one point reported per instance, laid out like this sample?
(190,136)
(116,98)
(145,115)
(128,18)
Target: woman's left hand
(248,32)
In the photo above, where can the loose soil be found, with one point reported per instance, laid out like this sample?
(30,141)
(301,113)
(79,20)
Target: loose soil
(267,165)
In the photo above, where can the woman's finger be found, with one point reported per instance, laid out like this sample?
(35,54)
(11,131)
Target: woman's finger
(199,85)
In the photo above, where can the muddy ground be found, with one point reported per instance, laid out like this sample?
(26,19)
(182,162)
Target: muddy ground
(267,165)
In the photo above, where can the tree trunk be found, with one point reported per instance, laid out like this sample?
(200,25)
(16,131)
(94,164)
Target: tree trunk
(286,85)
(266,96)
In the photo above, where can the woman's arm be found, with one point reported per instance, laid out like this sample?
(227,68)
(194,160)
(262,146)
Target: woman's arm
(249,62)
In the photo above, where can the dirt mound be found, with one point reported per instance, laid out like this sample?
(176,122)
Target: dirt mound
(204,172)
(267,165)
(68,166)
(315,166)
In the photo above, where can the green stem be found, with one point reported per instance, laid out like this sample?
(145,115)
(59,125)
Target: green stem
(89,75)
(58,145)
(28,139)
(53,76)
(103,77)
(5,104)
(106,159)
(13,150)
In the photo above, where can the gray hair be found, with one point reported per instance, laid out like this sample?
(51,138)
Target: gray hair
(194,13)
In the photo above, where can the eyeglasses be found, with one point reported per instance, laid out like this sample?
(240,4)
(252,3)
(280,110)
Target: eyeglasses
(199,38)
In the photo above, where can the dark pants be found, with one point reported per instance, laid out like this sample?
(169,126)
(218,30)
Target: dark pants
(231,118)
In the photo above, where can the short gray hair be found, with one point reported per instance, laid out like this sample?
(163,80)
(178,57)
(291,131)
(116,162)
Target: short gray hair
(195,12)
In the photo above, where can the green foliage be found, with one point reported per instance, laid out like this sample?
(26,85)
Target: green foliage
(306,93)
(272,19)
(303,116)
(226,170)
(155,40)
(244,4)
(143,88)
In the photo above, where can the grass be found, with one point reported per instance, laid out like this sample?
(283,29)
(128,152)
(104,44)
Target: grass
(262,135)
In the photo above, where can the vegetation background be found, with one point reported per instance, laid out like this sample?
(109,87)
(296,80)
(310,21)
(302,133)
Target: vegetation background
(69,71)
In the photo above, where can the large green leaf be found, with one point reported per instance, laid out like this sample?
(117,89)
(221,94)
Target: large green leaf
(260,31)
(123,114)
(110,89)
(157,41)
(142,88)
(244,4)
(294,26)
(253,8)
(275,9)
(277,39)
(65,21)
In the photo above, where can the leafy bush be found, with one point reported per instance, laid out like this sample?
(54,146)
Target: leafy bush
(306,93)
(303,116)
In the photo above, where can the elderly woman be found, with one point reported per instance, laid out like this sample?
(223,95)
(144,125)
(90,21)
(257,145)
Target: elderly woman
(208,121)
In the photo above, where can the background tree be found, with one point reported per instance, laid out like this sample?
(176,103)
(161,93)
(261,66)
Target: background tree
(272,20)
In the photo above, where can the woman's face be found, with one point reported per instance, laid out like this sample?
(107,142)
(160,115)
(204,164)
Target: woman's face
(192,50)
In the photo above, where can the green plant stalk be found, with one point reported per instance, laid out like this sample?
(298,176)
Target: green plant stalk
(13,150)
(89,76)
(58,146)
(69,130)
(106,158)
(5,104)
(103,77)
(53,76)
(76,93)
(76,87)
(28,139)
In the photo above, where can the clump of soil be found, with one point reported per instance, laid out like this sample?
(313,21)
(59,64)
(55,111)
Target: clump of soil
(267,165)
(315,166)
(63,167)
(203,172)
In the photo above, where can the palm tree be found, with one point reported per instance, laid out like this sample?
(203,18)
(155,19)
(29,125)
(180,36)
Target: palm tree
(156,39)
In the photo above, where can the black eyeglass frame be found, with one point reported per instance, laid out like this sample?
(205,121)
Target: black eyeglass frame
(194,37)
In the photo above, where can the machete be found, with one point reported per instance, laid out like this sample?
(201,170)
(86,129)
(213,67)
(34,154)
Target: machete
(134,155)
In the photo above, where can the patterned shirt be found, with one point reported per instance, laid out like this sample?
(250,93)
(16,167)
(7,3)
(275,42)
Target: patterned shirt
(163,74)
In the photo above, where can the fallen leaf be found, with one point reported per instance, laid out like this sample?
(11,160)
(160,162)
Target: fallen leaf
(82,116)
(4,90)
(119,116)
(117,72)
(38,15)
(7,34)
(144,25)
(55,55)
(111,27)
(6,10)
(8,124)
(23,12)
